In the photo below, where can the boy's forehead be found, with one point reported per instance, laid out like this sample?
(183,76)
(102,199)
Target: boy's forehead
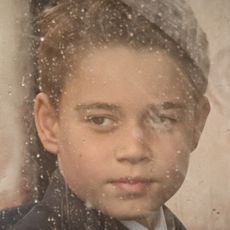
(119,69)
(121,55)
(115,59)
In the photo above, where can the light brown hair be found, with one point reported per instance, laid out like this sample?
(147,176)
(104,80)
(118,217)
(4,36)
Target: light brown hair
(71,28)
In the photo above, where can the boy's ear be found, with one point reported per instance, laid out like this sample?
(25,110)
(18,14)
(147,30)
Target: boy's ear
(201,114)
(46,121)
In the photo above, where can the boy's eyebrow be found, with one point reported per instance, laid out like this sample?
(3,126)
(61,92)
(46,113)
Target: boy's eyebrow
(105,106)
(114,107)
(169,105)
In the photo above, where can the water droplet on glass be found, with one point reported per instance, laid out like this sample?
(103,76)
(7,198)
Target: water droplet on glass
(160,14)
(178,151)
(23,81)
(9,90)
(88,204)
(129,16)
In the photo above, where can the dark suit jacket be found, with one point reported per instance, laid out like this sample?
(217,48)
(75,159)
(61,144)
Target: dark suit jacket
(62,210)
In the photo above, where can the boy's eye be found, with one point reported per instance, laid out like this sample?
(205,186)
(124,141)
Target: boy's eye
(165,120)
(101,121)
(161,121)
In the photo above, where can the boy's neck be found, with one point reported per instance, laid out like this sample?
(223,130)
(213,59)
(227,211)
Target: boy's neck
(149,222)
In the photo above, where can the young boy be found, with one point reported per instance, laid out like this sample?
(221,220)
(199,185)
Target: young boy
(122,105)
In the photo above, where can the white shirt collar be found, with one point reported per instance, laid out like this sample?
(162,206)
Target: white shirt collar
(133,225)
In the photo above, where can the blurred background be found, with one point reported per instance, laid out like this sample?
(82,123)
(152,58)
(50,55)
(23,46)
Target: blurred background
(203,202)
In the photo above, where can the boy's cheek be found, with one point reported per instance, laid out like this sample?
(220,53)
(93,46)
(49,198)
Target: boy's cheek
(79,176)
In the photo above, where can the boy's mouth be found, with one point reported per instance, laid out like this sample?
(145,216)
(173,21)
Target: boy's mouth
(132,184)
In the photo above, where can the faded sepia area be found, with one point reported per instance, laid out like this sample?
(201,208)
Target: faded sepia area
(203,202)
(14,64)
(204,199)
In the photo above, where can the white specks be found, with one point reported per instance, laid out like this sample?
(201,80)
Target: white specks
(159,14)
(103,195)
(178,151)
(42,39)
(150,48)
(129,16)
(31,139)
(51,219)
(9,90)
(88,204)
(23,81)
(167,175)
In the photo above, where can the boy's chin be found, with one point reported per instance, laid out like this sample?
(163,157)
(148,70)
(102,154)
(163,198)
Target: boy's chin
(130,210)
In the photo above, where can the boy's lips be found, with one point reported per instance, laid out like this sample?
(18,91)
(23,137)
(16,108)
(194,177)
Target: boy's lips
(132,184)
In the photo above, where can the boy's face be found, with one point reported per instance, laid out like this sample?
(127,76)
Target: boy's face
(125,129)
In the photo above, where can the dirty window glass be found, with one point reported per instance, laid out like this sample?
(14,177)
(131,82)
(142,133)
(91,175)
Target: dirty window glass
(114,114)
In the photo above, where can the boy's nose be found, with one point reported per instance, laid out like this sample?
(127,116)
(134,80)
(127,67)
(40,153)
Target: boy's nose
(133,147)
